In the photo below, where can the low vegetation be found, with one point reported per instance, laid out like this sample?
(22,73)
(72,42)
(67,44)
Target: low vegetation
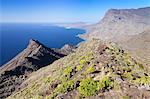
(88,87)
(94,69)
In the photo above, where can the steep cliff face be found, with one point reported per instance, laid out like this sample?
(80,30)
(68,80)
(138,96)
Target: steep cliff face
(96,70)
(35,56)
(130,28)
(118,24)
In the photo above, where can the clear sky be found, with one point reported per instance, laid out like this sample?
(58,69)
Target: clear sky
(62,10)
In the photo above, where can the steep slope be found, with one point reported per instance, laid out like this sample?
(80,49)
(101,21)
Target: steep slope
(139,47)
(121,22)
(97,70)
(17,70)
(125,27)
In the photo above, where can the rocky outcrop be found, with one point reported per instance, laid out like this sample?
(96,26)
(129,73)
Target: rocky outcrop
(68,49)
(35,56)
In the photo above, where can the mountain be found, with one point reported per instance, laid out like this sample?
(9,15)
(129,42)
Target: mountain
(96,70)
(121,22)
(139,47)
(34,57)
(130,28)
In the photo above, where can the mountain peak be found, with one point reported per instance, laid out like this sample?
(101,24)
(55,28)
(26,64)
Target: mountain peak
(34,43)
(34,57)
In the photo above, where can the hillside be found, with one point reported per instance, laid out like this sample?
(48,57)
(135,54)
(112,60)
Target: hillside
(34,57)
(139,47)
(130,28)
(96,70)
(121,22)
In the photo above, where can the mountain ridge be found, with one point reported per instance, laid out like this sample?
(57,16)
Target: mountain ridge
(123,26)
(34,57)
(117,22)
(97,70)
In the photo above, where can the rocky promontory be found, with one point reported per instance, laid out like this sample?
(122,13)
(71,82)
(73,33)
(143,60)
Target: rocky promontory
(34,57)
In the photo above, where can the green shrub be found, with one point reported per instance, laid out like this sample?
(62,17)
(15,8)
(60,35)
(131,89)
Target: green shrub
(47,97)
(128,75)
(68,70)
(83,61)
(91,69)
(144,80)
(47,80)
(79,67)
(105,82)
(89,56)
(64,87)
(87,87)
(66,74)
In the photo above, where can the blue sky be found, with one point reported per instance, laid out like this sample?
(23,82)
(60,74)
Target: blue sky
(62,10)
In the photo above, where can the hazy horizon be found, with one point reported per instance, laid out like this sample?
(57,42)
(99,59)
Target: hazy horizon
(62,11)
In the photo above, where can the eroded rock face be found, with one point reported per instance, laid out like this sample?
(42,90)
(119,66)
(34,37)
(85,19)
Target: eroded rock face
(35,56)
(118,24)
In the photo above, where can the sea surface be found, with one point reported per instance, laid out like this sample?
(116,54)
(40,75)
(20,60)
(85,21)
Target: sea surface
(14,37)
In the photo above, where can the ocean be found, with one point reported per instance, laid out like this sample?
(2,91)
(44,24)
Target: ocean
(14,37)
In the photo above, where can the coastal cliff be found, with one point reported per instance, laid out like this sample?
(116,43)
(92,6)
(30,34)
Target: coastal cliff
(34,57)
